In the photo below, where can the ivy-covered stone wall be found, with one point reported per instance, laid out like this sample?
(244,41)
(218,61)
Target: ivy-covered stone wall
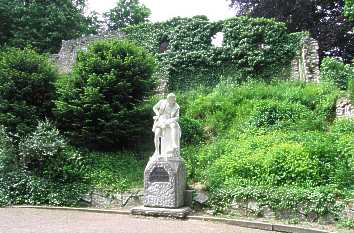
(252,48)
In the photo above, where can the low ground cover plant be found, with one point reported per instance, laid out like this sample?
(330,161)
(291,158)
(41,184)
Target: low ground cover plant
(281,137)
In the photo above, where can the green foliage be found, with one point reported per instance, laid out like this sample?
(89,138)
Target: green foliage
(192,131)
(311,202)
(333,70)
(351,88)
(43,24)
(99,106)
(26,89)
(18,188)
(126,13)
(281,114)
(251,49)
(346,223)
(114,172)
(7,151)
(349,9)
(273,143)
(44,153)
(40,169)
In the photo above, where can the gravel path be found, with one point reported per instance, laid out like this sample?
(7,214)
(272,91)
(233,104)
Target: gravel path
(59,221)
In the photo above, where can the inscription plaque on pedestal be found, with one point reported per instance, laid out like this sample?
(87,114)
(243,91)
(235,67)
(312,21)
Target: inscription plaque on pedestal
(164,182)
(159,174)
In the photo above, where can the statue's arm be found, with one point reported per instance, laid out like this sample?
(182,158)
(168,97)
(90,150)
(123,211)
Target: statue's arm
(156,108)
(175,117)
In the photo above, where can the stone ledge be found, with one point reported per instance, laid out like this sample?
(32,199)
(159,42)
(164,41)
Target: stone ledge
(241,223)
(162,212)
(259,225)
(295,229)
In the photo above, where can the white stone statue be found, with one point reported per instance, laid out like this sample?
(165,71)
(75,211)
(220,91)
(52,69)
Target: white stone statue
(166,128)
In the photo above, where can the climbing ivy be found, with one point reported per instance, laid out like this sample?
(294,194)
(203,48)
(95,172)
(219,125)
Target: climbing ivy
(252,48)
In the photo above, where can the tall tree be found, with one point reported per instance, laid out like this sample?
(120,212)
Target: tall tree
(322,18)
(43,24)
(125,13)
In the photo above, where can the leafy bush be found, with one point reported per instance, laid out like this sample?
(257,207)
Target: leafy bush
(42,169)
(334,70)
(192,131)
(44,153)
(7,151)
(19,188)
(99,106)
(26,89)
(281,114)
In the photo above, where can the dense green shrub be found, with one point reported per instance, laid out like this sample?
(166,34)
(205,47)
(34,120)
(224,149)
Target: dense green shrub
(334,70)
(26,89)
(281,114)
(7,151)
(192,131)
(40,169)
(252,48)
(19,188)
(99,106)
(44,153)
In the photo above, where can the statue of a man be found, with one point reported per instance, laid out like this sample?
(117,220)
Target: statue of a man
(166,127)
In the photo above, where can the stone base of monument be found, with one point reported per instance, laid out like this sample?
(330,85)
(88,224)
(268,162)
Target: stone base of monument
(165,188)
(162,212)
(164,182)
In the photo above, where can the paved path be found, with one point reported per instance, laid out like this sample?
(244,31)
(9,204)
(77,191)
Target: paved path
(59,221)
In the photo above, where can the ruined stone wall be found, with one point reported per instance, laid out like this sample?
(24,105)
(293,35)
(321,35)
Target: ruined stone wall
(305,66)
(66,58)
(344,108)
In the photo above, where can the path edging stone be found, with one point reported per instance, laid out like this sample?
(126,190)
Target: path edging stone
(123,212)
(236,222)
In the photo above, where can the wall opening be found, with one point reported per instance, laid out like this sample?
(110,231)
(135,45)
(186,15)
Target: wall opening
(218,39)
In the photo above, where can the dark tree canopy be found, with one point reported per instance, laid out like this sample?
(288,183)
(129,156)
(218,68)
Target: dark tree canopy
(126,12)
(43,24)
(324,19)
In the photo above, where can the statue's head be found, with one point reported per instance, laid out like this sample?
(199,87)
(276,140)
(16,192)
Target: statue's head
(171,98)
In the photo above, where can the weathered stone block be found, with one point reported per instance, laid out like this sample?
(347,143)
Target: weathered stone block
(162,212)
(164,182)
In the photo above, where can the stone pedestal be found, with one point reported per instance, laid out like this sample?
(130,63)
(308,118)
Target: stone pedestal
(164,182)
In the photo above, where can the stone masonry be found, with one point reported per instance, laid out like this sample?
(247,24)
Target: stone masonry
(305,65)
(344,108)
(66,57)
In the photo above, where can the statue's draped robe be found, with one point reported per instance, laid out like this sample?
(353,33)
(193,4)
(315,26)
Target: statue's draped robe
(168,114)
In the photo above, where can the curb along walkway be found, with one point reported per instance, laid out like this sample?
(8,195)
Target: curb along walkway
(30,219)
